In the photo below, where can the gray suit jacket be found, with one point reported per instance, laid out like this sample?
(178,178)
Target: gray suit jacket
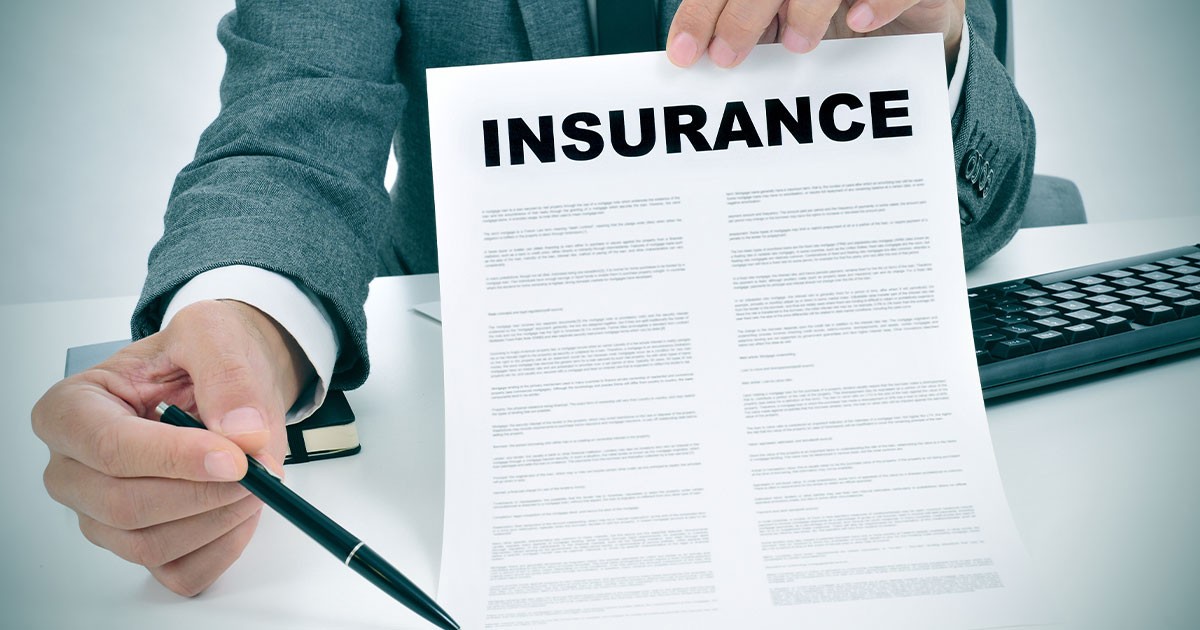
(289,177)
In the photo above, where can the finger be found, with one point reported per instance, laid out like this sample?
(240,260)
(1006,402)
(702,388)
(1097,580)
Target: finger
(133,503)
(232,378)
(771,34)
(86,425)
(869,15)
(807,22)
(739,28)
(692,30)
(191,574)
(159,544)
(273,458)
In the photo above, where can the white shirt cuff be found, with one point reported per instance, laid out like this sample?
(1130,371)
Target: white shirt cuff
(292,306)
(960,67)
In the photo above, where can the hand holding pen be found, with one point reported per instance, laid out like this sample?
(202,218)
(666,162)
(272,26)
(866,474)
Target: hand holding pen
(333,537)
(150,493)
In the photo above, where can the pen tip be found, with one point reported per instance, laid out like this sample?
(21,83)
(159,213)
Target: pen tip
(161,408)
(444,621)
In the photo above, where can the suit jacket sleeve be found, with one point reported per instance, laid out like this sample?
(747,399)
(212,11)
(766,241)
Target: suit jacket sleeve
(289,177)
(993,145)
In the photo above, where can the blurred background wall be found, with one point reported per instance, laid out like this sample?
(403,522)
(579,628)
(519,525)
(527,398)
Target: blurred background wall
(102,103)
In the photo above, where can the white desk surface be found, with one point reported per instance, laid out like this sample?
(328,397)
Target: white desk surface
(1102,475)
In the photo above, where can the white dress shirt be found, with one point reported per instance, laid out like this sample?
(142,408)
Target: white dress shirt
(301,313)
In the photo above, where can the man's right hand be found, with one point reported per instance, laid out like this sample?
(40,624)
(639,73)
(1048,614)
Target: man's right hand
(162,496)
(729,29)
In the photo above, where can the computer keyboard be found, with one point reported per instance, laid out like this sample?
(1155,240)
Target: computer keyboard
(1073,323)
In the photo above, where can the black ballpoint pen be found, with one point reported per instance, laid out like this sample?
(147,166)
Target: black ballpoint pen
(341,543)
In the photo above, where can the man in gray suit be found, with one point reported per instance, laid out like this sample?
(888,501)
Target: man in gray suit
(283,219)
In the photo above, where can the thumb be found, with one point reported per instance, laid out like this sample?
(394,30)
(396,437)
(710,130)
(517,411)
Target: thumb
(232,375)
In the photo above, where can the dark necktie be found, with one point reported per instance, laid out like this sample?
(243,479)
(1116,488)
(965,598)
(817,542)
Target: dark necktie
(624,26)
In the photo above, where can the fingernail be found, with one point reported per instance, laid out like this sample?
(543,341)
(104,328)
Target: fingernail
(861,17)
(220,464)
(721,53)
(683,49)
(795,42)
(243,420)
(273,466)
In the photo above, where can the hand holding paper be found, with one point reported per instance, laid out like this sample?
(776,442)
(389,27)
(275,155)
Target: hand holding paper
(729,29)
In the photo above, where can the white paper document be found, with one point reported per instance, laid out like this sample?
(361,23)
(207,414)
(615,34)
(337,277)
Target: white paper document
(708,358)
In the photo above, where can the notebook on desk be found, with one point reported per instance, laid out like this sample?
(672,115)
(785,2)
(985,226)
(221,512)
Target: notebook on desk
(328,433)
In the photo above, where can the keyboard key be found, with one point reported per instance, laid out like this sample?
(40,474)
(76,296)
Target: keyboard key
(1069,295)
(1012,287)
(1010,308)
(983,300)
(1019,331)
(1081,332)
(1157,276)
(1171,262)
(985,341)
(1161,286)
(1123,310)
(1029,293)
(1171,296)
(1129,282)
(983,357)
(1072,306)
(1051,323)
(1189,279)
(1188,308)
(1156,315)
(1059,287)
(1195,256)
(1082,315)
(979,316)
(1087,281)
(1145,268)
(1101,299)
(1040,312)
(1099,289)
(983,326)
(1112,325)
(1143,303)
(1184,270)
(1010,320)
(1048,340)
(1133,293)
(1012,348)
(1117,273)
(1040,301)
